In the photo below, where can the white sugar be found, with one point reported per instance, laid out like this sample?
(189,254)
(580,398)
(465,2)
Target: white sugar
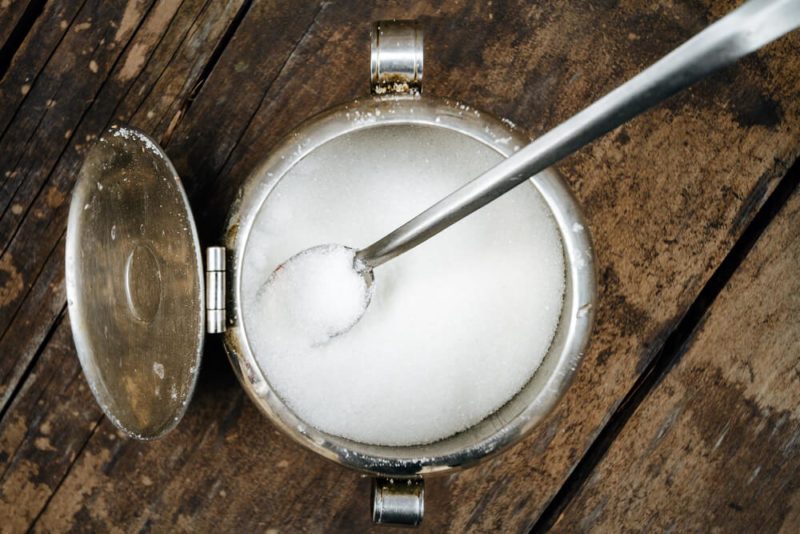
(313,297)
(127,133)
(455,327)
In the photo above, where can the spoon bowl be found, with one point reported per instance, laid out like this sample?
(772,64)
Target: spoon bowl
(319,293)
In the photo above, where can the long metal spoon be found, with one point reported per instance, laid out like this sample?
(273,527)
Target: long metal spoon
(744,30)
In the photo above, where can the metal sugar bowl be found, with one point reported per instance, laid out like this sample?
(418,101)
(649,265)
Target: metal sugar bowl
(141,301)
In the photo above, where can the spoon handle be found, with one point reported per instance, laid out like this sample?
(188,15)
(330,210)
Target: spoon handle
(742,31)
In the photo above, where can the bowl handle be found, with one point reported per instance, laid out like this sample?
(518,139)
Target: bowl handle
(398,501)
(396,59)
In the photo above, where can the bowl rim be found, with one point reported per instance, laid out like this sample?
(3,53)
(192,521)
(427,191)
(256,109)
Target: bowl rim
(495,433)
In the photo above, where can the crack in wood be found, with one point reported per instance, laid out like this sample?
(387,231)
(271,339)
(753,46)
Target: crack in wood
(208,68)
(80,450)
(9,49)
(44,63)
(184,37)
(224,167)
(673,348)
(8,400)
(23,381)
(7,397)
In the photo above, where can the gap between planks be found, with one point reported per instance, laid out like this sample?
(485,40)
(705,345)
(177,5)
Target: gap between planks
(78,453)
(226,38)
(9,49)
(35,77)
(671,351)
(223,168)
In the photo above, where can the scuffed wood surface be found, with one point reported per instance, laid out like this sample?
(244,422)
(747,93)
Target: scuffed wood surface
(11,14)
(666,197)
(716,446)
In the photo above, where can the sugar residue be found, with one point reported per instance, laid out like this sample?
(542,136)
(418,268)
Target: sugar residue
(158,369)
(455,327)
(131,134)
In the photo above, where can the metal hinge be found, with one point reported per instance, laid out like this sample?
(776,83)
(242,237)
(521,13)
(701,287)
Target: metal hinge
(215,290)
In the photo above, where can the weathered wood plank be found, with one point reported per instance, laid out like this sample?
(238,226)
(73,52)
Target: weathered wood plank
(35,318)
(61,20)
(12,13)
(50,421)
(257,55)
(715,447)
(713,154)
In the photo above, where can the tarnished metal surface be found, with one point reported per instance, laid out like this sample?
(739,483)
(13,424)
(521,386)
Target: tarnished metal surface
(522,413)
(135,283)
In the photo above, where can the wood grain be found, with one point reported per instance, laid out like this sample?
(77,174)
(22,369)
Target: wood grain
(10,15)
(666,196)
(716,445)
(52,417)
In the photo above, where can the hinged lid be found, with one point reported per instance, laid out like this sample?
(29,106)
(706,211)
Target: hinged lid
(135,283)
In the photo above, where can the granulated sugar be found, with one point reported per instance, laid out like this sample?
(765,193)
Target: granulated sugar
(455,327)
(314,296)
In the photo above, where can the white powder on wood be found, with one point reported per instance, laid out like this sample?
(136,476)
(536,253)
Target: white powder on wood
(455,327)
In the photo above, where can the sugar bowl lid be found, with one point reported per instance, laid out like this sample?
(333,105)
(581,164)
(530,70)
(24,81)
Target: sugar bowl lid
(135,287)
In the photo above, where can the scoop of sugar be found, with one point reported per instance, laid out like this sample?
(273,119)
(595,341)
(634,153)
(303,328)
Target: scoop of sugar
(454,329)
(316,295)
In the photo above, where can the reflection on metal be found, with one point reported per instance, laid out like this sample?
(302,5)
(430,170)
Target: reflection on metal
(398,501)
(396,60)
(215,290)
(536,399)
(134,283)
(522,413)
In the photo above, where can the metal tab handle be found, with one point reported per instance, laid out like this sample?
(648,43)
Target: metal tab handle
(398,501)
(396,60)
(215,290)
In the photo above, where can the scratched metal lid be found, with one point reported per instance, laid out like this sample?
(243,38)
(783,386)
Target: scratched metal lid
(135,283)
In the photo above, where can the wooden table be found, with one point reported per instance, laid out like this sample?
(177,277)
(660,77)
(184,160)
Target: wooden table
(685,414)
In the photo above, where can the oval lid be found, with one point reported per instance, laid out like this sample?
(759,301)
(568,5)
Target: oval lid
(134,279)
